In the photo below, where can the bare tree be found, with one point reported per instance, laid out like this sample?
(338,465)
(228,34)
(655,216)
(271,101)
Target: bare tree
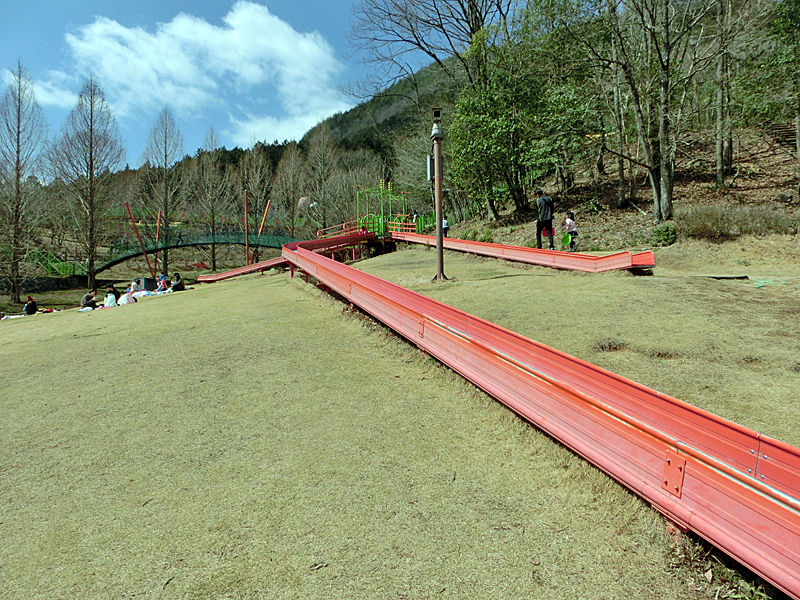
(256,177)
(88,149)
(651,45)
(288,187)
(210,189)
(723,77)
(400,36)
(23,134)
(619,125)
(410,171)
(163,149)
(356,169)
(783,27)
(321,166)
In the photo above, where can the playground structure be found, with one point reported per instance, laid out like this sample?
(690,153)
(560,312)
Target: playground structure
(735,487)
(375,213)
(330,245)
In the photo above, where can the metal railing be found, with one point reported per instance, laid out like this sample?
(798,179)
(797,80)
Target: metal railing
(120,253)
(54,265)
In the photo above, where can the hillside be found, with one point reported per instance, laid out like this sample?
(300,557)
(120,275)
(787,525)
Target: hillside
(378,121)
(765,170)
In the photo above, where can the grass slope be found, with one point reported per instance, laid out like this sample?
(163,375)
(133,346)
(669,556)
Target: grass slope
(251,439)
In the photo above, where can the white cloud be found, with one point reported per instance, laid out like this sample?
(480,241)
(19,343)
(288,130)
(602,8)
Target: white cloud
(267,128)
(54,91)
(274,81)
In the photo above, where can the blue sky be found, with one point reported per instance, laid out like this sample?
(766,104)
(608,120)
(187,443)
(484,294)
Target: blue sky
(256,70)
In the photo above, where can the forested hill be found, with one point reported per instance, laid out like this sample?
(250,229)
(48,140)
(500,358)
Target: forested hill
(395,113)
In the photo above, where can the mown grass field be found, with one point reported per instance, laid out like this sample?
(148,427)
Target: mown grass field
(257,439)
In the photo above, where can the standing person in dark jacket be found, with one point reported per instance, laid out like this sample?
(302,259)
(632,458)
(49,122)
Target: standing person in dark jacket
(545,220)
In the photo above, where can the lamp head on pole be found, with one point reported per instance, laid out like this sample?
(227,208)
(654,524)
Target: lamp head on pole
(437,133)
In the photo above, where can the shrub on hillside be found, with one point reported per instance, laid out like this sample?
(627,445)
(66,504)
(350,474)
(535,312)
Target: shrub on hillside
(592,206)
(473,235)
(663,235)
(719,222)
(486,237)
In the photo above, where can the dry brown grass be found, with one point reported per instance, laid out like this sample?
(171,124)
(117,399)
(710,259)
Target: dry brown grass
(255,439)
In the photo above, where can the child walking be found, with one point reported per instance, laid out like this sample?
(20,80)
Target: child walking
(572,229)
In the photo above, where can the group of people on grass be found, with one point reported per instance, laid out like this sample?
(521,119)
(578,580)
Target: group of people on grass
(29,308)
(113,297)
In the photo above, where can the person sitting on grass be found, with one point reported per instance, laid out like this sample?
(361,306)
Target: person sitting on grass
(177,283)
(89,299)
(126,298)
(111,297)
(30,308)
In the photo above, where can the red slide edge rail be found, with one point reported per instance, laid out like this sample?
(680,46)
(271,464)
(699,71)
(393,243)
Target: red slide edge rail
(327,244)
(547,258)
(734,487)
(261,266)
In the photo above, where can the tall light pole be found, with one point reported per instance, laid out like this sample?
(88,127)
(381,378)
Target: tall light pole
(436,137)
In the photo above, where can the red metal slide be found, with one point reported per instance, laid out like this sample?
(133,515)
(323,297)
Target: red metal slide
(735,487)
(547,258)
(328,245)
(261,266)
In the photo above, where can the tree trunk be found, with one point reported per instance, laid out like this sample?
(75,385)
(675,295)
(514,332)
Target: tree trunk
(618,126)
(165,252)
(719,132)
(491,209)
(601,166)
(665,147)
(92,237)
(213,245)
(16,259)
(797,109)
(91,253)
(16,235)
(728,125)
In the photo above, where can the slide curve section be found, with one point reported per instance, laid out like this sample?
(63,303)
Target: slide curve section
(547,258)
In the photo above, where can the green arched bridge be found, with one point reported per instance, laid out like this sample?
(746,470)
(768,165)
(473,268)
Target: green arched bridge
(120,253)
